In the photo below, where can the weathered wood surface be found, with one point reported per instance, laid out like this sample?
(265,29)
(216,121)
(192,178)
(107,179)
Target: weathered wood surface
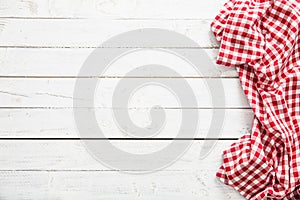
(69,154)
(124,9)
(192,185)
(59,123)
(58,62)
(58,92)
(71,33)
(43,45)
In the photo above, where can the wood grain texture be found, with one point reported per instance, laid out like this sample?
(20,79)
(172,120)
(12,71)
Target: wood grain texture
(64,169)
(58,92)
(59,123)
(64,62)
(77,185)
(72,155)
(67,33)
(43,44)
(142,9)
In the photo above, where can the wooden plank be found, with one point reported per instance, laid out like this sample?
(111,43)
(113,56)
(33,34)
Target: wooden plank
(142,9)
(93,32)
(67,62)
(57,92)
(59,123)
(72,155)
(64,168)
(75,185)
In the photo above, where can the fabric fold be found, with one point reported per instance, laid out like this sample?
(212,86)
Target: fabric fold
(261,39)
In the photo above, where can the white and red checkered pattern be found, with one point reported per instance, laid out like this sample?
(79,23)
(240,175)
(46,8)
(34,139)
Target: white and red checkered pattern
(261,39)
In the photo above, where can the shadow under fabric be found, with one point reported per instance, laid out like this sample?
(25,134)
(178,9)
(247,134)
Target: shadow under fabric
(261,39)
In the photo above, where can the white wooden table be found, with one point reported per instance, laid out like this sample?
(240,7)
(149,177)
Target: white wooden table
(43,44)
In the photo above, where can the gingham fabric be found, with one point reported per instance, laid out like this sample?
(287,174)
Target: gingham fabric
(261,39)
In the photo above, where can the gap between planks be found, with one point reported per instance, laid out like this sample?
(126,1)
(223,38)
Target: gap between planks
(95,18)
(118,77)
(102,47)
(120,139)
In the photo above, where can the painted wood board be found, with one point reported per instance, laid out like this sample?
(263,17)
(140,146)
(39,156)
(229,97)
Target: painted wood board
(142,9)
(65,62)
(72,155)
(58,92)
(78,33)
(59,123)
(73,185)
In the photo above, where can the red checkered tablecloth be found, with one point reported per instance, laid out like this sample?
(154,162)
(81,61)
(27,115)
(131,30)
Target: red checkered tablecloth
(261,39)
